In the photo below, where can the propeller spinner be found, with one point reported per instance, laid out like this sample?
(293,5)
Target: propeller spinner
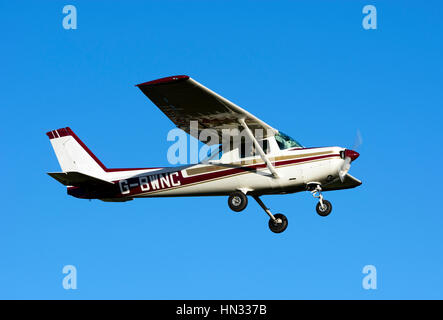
(349,156)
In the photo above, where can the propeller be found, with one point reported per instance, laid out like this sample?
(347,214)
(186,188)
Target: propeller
(349,156)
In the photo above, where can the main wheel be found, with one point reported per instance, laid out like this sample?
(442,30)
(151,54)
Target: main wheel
(279,224)
(237,201)
(325,209)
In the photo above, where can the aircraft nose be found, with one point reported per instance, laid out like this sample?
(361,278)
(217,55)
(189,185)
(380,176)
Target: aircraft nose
(351,154)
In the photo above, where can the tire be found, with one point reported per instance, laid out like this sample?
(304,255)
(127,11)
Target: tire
(323,212)
(278,227)
(237,201)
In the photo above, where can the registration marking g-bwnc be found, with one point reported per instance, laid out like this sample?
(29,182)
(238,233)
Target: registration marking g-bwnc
(151,182)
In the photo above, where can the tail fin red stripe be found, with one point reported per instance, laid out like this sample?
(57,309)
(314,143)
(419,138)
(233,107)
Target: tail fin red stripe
(63,132)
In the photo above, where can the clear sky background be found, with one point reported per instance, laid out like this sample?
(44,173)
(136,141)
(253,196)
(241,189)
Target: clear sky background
(307,68)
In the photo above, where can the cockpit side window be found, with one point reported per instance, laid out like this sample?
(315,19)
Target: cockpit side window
(285,142)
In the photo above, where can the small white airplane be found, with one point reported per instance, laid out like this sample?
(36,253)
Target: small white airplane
(281,166)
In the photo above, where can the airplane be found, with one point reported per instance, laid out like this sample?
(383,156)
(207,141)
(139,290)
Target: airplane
(277,165)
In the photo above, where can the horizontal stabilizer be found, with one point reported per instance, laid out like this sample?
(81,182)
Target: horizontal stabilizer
(77,179)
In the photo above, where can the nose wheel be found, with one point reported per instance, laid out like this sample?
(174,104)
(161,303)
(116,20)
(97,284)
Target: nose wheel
(324,207)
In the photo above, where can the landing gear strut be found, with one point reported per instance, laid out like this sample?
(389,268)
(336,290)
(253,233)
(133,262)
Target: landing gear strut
(324,207)
(278,222)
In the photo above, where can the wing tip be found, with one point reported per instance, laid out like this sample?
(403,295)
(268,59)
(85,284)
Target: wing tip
(163,80)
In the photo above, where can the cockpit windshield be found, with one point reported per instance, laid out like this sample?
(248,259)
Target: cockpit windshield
(285,142)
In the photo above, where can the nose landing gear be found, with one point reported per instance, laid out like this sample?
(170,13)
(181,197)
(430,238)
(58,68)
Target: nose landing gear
(324,207)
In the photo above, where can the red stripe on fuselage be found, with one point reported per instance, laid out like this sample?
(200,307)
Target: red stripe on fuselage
(214,175)
(218,174)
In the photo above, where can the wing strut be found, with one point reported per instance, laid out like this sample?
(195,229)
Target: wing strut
(259,148)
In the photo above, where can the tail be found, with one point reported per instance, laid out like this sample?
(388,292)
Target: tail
(73,154)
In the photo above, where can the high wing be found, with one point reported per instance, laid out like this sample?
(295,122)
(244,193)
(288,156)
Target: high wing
(182,99)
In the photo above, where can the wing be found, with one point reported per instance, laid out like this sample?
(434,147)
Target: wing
(183,99)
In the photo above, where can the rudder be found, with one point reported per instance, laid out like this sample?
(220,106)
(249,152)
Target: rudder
(73,155)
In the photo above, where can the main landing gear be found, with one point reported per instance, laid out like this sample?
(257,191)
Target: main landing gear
(238,201)
(277,222)
(324,207)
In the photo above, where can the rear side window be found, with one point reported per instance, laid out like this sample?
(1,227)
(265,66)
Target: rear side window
(244,153)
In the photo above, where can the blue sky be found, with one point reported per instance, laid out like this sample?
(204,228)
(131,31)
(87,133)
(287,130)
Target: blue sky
(305,67)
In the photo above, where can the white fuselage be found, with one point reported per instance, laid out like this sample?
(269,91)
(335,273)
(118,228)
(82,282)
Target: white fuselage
(295,168)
